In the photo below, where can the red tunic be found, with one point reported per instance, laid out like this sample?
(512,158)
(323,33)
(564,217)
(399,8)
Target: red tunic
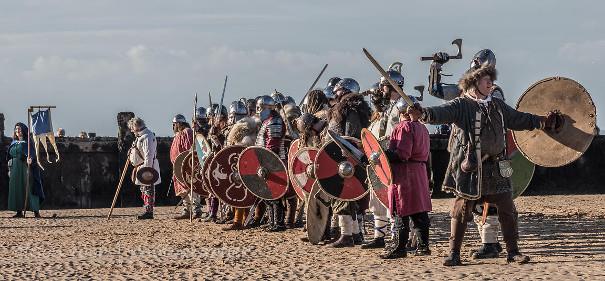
(182,142)
(410,190)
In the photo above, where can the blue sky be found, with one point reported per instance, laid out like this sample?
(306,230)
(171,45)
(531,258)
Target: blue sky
(93,59)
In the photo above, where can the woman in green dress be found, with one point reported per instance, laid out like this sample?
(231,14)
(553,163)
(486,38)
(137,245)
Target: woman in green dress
(22,160)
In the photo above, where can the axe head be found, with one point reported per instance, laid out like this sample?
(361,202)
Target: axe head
(458,43)
(420,89)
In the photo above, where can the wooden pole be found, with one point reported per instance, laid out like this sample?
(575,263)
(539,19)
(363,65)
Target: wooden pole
(115,197)
(27,181)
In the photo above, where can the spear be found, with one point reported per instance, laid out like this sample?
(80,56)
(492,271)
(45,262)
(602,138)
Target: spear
(192,160)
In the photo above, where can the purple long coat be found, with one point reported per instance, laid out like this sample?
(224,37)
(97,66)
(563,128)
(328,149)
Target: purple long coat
(409,193)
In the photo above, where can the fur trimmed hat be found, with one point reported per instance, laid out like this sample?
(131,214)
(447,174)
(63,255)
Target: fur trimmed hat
(470,78)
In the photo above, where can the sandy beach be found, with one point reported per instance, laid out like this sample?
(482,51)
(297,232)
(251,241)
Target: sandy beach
(564,235)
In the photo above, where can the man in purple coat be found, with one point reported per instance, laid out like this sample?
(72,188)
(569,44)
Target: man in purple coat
(409,195)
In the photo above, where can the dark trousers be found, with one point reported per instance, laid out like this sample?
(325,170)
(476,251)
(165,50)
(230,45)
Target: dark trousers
(461,214)
(291,209)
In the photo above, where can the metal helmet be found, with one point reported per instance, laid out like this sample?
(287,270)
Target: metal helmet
(402,106)
(278,97)
(329,89)
(375,87)
(201,113)
(292,111)
(482,57)
(290,100)
(263,102)
(215,110)
(238,108)
(179,118)
(251,106)
(395,76)
(349,85)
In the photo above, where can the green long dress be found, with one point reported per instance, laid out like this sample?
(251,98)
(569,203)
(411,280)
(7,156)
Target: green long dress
(18,180)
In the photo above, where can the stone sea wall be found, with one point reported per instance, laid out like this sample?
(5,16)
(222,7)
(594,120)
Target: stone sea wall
(89,170)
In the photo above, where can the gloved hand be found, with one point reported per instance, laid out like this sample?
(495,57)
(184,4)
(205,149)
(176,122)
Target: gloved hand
(415,111)
(553,122)
(441,57)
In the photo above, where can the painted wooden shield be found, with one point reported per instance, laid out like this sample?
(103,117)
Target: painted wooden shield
(555,149)
(301,171)
(348,149)
(318,211)
(380,190)
(177,168)
(206,172)
(523,169)
(263,173)
(372,149)
(292,150)
(339,174)
(225,181)
(198,179)
(202,147)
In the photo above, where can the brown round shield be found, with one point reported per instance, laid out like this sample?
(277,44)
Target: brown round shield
(340,176)
(318,211)
(177,168)
(205,172)
(225,181)
(301,171)
(263,173)
(147,175)
(198,179)
(371,148)
(550,149)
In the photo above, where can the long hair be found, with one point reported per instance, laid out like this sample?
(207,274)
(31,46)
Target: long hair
(316,101)
(24,132)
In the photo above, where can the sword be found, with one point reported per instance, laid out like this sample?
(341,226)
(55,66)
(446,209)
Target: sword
(313,85)
(169,187)
(250,216)
(388,78)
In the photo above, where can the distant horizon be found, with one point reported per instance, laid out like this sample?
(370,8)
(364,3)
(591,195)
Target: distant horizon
(95,60)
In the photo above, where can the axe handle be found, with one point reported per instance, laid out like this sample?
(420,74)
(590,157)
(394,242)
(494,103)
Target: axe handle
(456,57)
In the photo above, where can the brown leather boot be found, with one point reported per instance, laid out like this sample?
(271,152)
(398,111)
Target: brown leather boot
(234,226)
(343,241)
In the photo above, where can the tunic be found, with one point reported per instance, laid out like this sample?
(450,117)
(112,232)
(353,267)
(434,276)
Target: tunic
(409,194)
(182,142)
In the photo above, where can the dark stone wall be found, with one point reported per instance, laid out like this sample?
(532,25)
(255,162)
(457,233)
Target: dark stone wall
(89,171)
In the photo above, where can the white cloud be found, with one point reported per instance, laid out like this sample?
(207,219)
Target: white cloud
(587,52)
(70,68)
(138,58)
